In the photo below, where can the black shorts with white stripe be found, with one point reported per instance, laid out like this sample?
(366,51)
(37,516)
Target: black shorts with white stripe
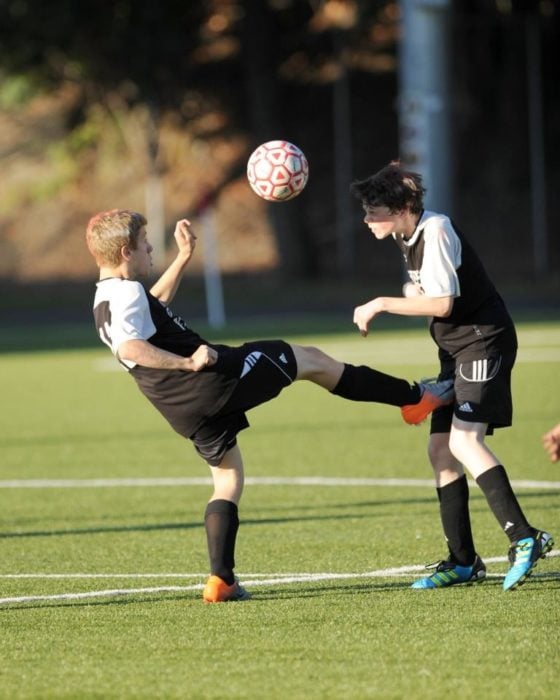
(482,391)
(267,367)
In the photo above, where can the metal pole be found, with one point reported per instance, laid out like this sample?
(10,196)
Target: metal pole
(536,145)
(154,193)
(425,144)
(215,307)
(342,162)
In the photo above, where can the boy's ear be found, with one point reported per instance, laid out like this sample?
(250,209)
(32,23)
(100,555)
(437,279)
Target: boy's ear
(125,252)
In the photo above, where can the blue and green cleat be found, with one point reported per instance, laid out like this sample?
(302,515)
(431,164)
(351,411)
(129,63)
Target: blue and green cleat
(448,573)
(523,557)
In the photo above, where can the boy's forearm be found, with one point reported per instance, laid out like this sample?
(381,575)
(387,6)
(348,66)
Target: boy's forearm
(147,355)
(166,286)
(143,353)
(420,305)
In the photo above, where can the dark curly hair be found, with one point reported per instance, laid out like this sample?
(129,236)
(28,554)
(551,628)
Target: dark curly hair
(392,187)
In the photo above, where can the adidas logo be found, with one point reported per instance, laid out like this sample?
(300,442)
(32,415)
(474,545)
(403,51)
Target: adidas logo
(283,359)
(250,361)
(465,407)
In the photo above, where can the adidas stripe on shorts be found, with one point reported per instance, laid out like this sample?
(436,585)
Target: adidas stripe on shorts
(265,368)
(482,391)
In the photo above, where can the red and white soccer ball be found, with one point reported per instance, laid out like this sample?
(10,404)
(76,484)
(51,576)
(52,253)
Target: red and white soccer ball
(277,171)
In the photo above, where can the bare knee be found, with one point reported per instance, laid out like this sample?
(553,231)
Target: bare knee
(446,467)
(438,449)
(316,366)
(228,477)
(462,442)
(310,359)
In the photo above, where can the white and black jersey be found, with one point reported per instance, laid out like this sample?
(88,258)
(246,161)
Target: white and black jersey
(124,310)
(442,263)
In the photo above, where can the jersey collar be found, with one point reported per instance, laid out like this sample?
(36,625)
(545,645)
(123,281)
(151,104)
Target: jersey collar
(417,231)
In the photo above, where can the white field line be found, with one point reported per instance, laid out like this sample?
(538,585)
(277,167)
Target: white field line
(249,580)
(254,481)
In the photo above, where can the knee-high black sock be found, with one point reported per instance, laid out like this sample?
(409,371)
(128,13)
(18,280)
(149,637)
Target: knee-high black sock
(456,521)
(366,384)
(495,485)
(221,522)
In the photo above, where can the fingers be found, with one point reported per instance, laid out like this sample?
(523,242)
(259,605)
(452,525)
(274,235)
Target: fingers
(363,331)
(361,321)
(183,230)
(212,358)
(551,443)
(204,356)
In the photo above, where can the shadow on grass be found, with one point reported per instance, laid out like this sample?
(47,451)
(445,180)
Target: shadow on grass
(251,522)
(178,526)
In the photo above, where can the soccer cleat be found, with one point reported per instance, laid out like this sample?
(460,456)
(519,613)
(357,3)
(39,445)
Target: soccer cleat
(434,394)
(523,557)
(217,590)
(447,573)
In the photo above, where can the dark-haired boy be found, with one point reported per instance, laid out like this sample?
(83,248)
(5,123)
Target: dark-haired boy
(477,346)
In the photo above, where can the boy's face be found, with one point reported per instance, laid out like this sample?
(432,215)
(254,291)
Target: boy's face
(382,222)
(140,260)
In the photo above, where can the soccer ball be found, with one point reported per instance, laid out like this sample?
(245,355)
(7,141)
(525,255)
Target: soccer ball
(277,171)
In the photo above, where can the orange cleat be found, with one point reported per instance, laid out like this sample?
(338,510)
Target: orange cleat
(434,395)
(217,590)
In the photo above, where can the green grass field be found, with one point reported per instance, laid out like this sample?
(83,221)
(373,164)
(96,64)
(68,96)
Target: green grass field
(101,572)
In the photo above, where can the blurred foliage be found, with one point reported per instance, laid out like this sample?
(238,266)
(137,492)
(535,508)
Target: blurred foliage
(217,68)
(185,88)
(16,90)
(150,50)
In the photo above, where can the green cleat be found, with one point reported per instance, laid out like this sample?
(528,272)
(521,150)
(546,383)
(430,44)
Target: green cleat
(448,573)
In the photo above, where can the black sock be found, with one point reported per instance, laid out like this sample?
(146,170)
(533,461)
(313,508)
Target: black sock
(495,485)
(221,522)
(367,384)
(455,518)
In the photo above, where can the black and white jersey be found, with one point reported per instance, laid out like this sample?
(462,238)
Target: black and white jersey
(442,263)
(124,310)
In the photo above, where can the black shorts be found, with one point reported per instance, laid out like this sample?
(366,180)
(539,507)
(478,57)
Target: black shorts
(482,390)
(268,367)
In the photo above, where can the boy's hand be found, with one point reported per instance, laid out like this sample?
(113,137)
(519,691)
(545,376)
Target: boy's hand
(185,238)
(364,314)
(202,357)
(551,442)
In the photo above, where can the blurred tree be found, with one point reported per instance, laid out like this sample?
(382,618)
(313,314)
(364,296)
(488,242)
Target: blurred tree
(263,63)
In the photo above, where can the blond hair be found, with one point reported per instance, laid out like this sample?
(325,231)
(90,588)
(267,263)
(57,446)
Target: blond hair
(108,231)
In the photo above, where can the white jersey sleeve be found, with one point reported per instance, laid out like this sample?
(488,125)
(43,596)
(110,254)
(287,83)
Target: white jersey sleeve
(131,318)
(122,313)
(441,259)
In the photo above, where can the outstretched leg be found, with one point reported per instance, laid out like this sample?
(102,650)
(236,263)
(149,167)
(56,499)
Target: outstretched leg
(363,383)
(356,383)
